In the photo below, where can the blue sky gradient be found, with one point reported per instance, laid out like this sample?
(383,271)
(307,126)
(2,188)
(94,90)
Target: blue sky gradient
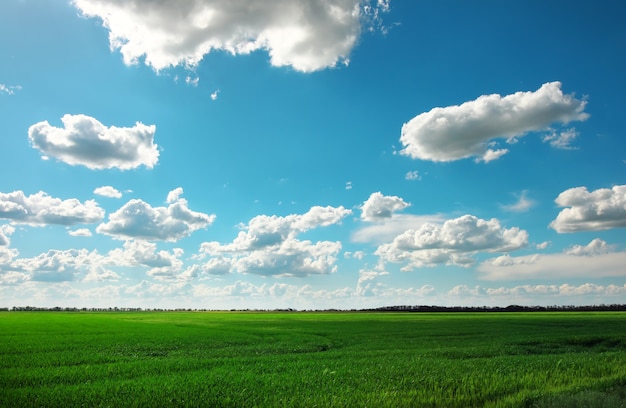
(322,154)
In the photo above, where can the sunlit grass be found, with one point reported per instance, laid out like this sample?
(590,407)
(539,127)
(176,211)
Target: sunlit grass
(311,359)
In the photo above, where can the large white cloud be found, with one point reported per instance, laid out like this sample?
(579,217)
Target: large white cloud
(472,128)
(306,35)
(596,259)
(85,141)
(268,246)
(455,242)
(601,209)
(138,220)
(41,209)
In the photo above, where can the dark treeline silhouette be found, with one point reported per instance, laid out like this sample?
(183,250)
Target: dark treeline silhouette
(404,308)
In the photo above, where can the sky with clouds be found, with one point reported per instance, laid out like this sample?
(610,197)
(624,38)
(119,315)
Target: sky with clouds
(312,154)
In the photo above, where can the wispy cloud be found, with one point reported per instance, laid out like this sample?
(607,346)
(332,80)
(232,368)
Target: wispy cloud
(522,204)
(9,89)
(595,259)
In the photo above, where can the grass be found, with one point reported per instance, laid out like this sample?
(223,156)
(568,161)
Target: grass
(312,359)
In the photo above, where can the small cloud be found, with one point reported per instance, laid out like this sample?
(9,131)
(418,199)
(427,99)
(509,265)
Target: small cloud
(378,207)
(412,175)
(192,81)
(354,255)
(543,245)
(562,140)
(8,89)
(81,232)
(349,185)
(107,191)
(215,94)
(523,203)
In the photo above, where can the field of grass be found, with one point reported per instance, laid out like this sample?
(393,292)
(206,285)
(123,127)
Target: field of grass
(300,359)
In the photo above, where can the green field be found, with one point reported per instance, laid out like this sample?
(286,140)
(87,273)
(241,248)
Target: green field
(302,359)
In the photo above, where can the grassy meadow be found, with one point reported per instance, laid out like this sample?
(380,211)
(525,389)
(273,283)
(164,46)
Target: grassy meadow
(246,359)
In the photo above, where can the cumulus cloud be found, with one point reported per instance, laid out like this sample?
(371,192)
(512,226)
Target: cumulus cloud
(164,265)
(5,232)
(107,191)
(268,246)
(378,207)
(41,209)
(307,36)
(473,128)
(58,265)
(596,259)
(85,141)
(601,209)
(138,220)
(452,243)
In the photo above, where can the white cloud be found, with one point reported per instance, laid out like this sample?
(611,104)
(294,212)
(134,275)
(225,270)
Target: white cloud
(453,243)
(387,229)
(379,207)
(595,259)
(561,140)
(9,89)
(138,220)
(81,232)
(355,255)
(307,36)
(537,294)
(5,232)
(412,175)
(215,94)
(41,209)
(85,141)
(268,246)
(543,245)
(601,209)
(58,265)
(523,203)
(192,81)
(457,132)
(108,191)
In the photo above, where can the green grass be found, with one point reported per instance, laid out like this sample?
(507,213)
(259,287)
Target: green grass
(312,359)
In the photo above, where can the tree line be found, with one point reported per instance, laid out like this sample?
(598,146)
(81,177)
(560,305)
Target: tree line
(400,308)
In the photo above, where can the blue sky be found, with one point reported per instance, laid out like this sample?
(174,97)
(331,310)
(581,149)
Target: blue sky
(321,154)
